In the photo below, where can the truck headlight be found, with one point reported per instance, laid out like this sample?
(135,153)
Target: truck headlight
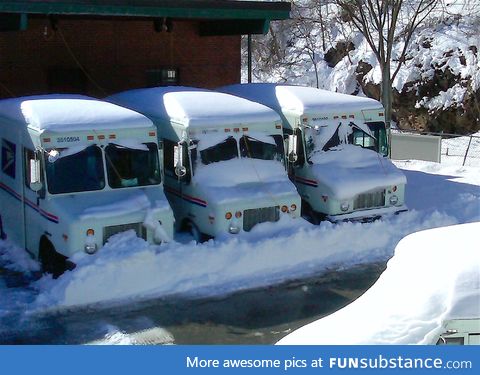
(233,229)
(393,200)
(90,245)
(344,206)
(91,248)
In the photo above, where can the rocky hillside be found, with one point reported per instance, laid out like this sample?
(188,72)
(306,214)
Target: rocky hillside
(436,89)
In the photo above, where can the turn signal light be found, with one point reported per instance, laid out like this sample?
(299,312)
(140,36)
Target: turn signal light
(228,215)
(90,232)
(394,189)
(284,209)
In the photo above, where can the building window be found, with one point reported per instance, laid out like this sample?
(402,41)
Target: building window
(8,158)
(162,77)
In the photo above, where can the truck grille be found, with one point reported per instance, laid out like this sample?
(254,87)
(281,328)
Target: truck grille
(369,200)
(259,215)
(139,229)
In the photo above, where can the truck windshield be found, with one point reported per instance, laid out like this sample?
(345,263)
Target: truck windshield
(256,149)
(127,167)
(76,172)
(222,151)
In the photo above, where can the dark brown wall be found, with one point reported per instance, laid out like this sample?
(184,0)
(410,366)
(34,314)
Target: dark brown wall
(115,54)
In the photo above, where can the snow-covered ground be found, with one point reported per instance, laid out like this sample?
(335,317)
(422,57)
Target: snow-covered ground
(128,268)
(434,276)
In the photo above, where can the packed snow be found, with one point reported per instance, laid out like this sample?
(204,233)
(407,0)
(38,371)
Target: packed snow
(433,276)
(70,113)
(194,107)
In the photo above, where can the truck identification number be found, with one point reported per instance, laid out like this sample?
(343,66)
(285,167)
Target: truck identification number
(68,139)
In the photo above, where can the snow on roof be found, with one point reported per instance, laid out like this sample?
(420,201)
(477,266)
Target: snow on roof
(433,277)
(194,107)
(57,113)
(300,99)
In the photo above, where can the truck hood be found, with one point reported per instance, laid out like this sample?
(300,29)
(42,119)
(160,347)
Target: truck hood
(112,203)
(349,170)
(244,179)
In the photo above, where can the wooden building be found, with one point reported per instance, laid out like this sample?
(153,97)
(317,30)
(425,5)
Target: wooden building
(98,47)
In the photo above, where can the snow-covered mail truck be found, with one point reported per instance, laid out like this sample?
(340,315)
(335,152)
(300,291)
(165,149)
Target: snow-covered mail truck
(223,158)
(75,171)
(337,179)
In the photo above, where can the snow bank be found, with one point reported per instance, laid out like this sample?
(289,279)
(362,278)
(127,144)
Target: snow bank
(349,170)
(127,267)
(194,107)
(68,113)
(431,277)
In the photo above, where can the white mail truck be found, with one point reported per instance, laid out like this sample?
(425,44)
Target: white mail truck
(75,171)
(337,179)
(223,158)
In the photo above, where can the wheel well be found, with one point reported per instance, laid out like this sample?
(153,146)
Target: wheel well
(44,245)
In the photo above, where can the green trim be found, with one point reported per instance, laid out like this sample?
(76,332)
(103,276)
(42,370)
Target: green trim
(23,22)
(266,27)
(206,12)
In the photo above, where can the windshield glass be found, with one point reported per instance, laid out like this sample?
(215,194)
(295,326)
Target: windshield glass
(362,139)
(75,172)
(222,151)
(127,167)
(253,148)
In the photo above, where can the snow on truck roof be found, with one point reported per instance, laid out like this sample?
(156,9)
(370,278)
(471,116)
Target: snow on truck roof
(300,99)
(194,107)
(57,113)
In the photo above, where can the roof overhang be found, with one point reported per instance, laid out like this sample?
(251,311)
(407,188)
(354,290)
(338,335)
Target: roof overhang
(249,16)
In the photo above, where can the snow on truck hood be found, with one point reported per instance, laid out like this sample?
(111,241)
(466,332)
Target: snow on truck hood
(67,113)
(349,170)
(194,107)
(112,204)
(244,179)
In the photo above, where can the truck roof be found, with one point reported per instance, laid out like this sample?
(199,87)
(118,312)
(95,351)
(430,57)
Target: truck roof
(193,107)
(63,113)
(300,99)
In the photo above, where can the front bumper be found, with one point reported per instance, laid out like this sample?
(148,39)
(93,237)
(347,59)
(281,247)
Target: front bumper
(366,216)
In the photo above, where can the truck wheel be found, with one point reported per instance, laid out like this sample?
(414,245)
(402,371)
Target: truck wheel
(51,261)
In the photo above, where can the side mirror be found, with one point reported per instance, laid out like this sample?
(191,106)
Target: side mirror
(292,148)
(35,179)
(178,158)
